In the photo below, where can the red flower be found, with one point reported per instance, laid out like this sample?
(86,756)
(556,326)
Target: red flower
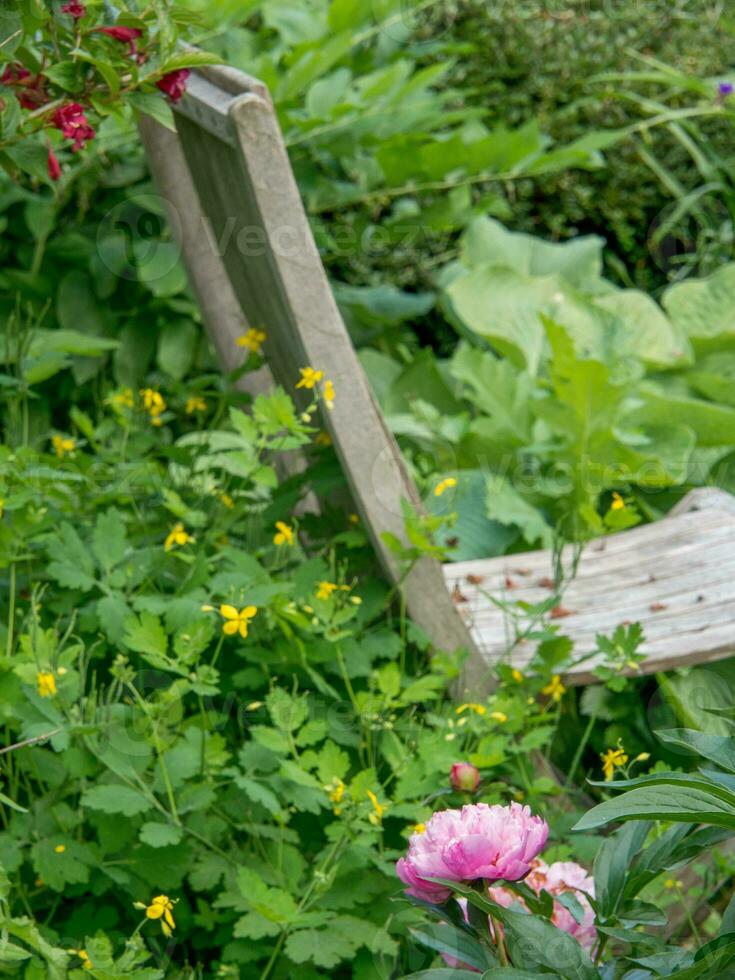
(125,35)
(54,167)
(174,83)
(15,75)
(70,119)
(76,10)
(30,88)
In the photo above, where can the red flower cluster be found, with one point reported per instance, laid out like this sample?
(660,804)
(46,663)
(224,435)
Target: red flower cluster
(29,88)
(72,122)
(76,10)
(174,84)
(125,35)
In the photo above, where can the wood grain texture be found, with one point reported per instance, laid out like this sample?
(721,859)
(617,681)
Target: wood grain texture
(675,577)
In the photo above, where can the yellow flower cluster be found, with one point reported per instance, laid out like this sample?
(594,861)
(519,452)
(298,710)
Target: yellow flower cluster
(154,404)
(613,759)
(46,684)
(62,445)
(285,535)
(177,536)
(310,378)
(253,340)
(194,404)
(161,907)
(554,689)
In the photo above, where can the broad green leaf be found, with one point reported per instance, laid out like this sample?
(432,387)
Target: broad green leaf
(669,803)
(451,941)
(487,241)
(611,866)
(704,309)
(160,834)
(177,344)
(146,635)
(508,506)
(719,749)
(71,564)
(116,799)
(109,540)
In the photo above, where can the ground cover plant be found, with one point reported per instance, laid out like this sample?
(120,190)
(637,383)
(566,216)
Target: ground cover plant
(226,751)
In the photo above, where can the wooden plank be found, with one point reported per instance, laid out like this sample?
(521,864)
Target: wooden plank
(676,577)
(238,179)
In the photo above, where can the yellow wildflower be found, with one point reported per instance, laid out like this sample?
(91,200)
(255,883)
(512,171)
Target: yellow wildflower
(328,394)
(613,759)
(46,683)
(154,404)
(643,757)
(124,398)
(554,689)
(498,716)
(445,485)
(355,600)
(227,500)
(84,957)
(376,817)
(336,791)
(309,377)
(517,676)
(479,709)
(195,404)
(617,502)
(325,590)
(237,622)
(177,536)
(161,907)
(419,828)
(60,848)
(62,446)
(253,340)
(284,535)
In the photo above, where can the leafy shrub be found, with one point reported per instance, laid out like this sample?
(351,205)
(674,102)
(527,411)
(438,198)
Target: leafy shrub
(543,56)
(564,391)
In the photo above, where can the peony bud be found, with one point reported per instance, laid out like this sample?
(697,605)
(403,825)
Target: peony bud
(465,777)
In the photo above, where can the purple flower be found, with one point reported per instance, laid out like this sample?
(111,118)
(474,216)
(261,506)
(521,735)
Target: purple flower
(725,89)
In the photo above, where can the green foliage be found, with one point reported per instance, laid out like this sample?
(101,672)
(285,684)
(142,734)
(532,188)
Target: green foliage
(575,403)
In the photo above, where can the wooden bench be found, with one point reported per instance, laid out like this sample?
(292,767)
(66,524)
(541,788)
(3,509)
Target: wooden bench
(252,261)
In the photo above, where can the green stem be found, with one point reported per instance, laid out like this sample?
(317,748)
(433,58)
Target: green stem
(11,612)
(580,750)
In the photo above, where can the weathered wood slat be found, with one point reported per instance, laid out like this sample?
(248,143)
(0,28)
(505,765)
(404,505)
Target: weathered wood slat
(676,577)
(242,190)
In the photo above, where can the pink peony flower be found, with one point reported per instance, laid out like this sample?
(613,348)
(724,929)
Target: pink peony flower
(72,122)
(464,777)
(174,84)
(556,879)
(478,841)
